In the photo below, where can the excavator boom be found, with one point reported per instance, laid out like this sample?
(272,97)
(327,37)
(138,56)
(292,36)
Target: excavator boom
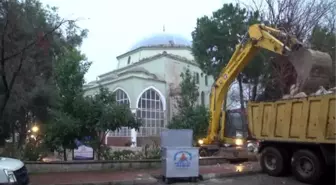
(274,40)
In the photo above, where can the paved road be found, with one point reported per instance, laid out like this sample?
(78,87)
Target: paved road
(252,180)
(259,179)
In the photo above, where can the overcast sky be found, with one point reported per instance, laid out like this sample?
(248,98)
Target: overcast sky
(115,25)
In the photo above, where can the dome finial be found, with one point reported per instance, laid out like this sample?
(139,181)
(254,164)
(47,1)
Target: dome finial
(164,28)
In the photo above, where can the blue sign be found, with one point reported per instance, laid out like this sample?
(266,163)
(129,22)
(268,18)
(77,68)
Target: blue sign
(182,159)
(83,152)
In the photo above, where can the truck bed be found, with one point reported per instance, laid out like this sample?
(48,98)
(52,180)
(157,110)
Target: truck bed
(309,119)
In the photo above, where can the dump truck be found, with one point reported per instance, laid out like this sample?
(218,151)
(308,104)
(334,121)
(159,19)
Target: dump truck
(295,135)
(313,69)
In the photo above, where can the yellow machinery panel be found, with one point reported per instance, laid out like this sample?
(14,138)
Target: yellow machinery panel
(310,119)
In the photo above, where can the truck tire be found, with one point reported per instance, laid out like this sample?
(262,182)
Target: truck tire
(307,167)
(273,161)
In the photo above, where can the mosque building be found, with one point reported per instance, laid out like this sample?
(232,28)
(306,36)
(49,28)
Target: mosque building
(147,79)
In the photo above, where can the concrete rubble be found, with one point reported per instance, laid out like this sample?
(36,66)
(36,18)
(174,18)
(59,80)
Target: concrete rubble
(295,94)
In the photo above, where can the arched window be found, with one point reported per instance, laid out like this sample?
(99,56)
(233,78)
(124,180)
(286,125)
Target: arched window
(150,110)
(121,98)
(206,80)
(196,78)
(129,60)
(202,98)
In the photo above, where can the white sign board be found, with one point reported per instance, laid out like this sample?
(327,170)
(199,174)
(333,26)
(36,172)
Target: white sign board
(83,153)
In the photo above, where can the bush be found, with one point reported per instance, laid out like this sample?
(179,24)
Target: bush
(10,150)
(150,152)
(123,155)
(31,151)
(147,152)
(34,151)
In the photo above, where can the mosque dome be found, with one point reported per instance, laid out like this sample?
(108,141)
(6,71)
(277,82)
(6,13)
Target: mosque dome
(162,39)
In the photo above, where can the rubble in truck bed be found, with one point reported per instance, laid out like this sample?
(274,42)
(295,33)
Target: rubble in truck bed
(295,94)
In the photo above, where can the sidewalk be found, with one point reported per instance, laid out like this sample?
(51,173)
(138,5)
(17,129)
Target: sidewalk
(147,177)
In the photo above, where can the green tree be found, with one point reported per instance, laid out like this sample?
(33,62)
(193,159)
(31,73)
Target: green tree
(61,132)
(65,125)
(30,41)
(100,114)
(69,77)
(215,39)
(190,114)
(77,116)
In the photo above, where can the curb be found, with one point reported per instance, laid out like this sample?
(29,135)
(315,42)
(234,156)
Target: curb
(117,182)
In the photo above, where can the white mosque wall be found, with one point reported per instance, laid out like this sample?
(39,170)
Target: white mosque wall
(143,53)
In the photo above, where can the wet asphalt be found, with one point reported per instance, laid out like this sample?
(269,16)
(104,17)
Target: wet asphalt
(257,179)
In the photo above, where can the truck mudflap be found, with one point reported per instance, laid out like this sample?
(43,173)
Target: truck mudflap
(328,152)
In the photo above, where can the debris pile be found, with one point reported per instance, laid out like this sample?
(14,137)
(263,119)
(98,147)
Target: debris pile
(294,92)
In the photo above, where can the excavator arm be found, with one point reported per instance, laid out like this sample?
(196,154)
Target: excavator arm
(259,36)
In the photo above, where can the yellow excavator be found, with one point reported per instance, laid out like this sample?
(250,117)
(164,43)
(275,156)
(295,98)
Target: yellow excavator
(310,65)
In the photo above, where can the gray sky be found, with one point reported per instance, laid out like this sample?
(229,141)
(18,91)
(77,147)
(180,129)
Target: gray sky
(115,25)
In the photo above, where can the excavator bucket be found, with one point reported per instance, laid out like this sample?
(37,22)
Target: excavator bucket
(314,69)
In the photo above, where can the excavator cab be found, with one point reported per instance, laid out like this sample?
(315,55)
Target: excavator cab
(235,133)
(235,125)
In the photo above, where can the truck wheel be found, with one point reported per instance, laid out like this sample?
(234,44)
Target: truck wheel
(272,161)
(307,167)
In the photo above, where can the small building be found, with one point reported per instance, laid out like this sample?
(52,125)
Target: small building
(147,78)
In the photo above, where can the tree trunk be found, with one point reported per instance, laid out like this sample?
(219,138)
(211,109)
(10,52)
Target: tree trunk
(64,154)
(22,138)
(241,92)
(22,128)
(254,89)
(98,152)
(242,106)
(101,143)
(3,106)
(13,139)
